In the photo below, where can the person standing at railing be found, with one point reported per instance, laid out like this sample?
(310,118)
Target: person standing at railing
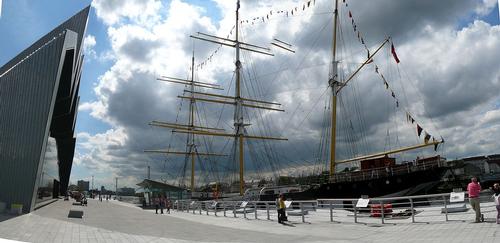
(474,188)
(281,209)
(496,197)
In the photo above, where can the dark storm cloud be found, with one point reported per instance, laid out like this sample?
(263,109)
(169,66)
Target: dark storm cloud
(139,50)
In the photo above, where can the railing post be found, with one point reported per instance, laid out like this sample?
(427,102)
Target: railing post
(245,211)
(255,205)
(382,211)
(215,210)
(445,208)
(267,209)
(206,208)
(412,211)
(224,207)
(200,206)
(302,212)
(331,211)
(234,210)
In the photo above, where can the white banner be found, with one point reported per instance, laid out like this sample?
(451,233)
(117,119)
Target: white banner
(362,203)
(457,196)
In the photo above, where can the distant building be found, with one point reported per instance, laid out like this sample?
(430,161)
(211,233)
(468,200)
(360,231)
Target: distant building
(83,185)
(126,191)
(38,107)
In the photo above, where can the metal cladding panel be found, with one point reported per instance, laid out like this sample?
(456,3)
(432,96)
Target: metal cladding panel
(28,89)
(26,98)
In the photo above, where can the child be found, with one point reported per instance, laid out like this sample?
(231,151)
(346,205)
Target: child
(496,196)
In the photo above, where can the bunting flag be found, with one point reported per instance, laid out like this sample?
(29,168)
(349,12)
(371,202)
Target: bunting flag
(393,51)
(412,120)
(350,14)
(427,138)
(376,68)
(419,130)
(436,146)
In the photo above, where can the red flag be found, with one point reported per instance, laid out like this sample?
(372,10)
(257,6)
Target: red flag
(393,50)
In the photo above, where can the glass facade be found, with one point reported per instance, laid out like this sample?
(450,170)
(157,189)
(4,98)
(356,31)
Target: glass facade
(48,186)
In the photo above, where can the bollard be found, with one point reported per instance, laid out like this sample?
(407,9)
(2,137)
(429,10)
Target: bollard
(215,210)
(445,208)
(206,208)
(234,210)
(302,212)
(224,207)
(355,214)
(255,205)
(200,207)
(267,209)
(331,211)
(245,212)
(412,211)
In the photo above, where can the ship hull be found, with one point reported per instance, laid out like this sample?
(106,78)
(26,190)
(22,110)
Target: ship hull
(412,183)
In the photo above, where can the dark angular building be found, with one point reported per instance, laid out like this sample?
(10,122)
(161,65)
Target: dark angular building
(38,110)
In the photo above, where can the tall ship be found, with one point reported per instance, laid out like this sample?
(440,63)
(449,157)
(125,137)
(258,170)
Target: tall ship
(236,154)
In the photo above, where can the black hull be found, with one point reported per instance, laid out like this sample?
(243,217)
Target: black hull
(412,183)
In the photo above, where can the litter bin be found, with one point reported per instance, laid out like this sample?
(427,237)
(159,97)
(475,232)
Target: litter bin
(16,208)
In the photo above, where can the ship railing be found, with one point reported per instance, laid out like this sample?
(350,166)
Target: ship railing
(433,208)
(382,172)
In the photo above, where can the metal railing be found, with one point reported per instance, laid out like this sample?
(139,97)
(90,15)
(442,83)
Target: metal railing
(391,210)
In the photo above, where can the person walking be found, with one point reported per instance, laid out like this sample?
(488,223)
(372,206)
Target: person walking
(156,201)
(496,197)
(169,205)
(162,203)
(474,188)
(281,209)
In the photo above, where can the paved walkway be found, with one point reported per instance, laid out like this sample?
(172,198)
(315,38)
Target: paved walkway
(120,222)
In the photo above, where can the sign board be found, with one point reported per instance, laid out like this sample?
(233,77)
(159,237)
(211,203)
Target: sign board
(288,203)
(457,196)
(243,204)
(362,202)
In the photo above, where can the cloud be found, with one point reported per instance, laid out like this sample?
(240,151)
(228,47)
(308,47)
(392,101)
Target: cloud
(143,12)
(447,79)
(88,46)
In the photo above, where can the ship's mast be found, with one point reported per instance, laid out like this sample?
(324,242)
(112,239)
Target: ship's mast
(191,125)
(191,151)
(337,85)
(237,100)
(333,82)
(238,112)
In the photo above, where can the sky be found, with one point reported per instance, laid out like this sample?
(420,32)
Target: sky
(448,78)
